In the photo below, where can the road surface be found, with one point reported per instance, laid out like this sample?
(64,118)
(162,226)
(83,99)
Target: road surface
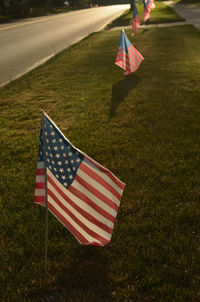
(30,42)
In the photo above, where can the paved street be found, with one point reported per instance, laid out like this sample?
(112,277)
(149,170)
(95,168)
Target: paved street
(28,43)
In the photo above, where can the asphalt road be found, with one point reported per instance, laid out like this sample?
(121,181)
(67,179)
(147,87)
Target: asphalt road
(28,43)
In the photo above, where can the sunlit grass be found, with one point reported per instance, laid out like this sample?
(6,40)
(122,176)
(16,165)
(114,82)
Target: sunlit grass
(145,128)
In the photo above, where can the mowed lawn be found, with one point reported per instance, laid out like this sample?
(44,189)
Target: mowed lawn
(146,129)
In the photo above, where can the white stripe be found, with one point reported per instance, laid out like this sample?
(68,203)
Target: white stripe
(98,186)
(103,175)
(137,60)
(40,165)
(39,192)
(86,222)
(95,199)
(84,206)
(134,59)
(70,220)
(95,163)
(40,178)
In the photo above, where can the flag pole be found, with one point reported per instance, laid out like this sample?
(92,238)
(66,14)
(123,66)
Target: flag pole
(46,200)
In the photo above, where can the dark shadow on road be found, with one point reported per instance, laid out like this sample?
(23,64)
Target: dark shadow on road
(120,90)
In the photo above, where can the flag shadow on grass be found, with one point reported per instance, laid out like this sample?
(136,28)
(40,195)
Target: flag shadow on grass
(145,30)
(87,277)
(120,90)
(83,277)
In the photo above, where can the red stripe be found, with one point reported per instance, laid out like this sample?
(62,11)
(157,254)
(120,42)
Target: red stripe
(40,185)
(119,57)
(119,64)
(136,61)
(135,26)
(122,62)
(129,64)
(78,209)
(146,14)
(39,199)
(67,224)
(108,173)
(122,66)
(100,180)
(94,191)
(127,59)
(123,56)
(133,67)
(133,50)
(76,220)
(40,172)
(93,205)
(137,19)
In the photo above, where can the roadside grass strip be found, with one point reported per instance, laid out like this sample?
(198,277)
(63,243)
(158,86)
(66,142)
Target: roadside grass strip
(161,14)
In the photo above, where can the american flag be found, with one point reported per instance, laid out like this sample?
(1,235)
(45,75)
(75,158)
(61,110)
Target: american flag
(147,10)
(128,57)
(136,20)
(83,195)
(152,4)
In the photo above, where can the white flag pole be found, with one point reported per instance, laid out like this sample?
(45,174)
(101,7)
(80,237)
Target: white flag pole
(46,199)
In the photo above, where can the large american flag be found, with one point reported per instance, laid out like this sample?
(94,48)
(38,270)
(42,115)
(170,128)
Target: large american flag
(128,58)
(136,20)
(81,193)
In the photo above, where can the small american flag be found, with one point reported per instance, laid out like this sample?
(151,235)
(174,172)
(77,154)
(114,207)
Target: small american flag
(152,4)
(147,10)
(128,57)
(136,20)
(83,195)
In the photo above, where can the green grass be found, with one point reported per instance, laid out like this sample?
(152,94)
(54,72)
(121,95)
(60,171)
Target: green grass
(145,128)
(161,14)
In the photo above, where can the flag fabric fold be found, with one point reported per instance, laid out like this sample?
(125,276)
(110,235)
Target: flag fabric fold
(82,194)
(128,57)
(136,20)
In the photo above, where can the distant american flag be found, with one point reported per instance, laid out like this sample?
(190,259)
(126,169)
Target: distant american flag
(152,4)
(81,193)
(128,57)
(136,20)
(147,10)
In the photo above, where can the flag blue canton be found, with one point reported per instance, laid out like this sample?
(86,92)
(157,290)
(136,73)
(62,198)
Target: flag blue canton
(124,42)
(62,159)
(146,3)
(135,11)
